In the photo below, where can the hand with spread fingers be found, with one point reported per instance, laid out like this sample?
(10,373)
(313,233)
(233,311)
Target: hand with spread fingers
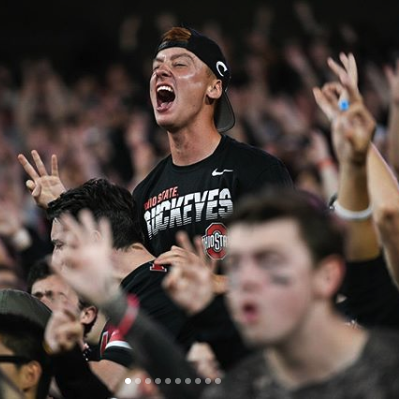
(88,266)
(346,89)
(43,187)
(348,76)
(352,125)
(189,282)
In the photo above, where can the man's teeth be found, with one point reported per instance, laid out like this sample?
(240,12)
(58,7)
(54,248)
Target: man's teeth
(167,88)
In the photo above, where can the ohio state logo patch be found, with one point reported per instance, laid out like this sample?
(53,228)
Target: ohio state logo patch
(155,267)
(215,240)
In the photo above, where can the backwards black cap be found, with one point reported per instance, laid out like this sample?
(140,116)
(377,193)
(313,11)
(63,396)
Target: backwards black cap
(211,54)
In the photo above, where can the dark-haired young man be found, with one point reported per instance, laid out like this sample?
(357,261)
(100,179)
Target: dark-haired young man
(196,186)
(133,267)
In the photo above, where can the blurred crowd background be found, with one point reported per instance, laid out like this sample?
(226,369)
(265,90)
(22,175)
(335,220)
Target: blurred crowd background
(74,82)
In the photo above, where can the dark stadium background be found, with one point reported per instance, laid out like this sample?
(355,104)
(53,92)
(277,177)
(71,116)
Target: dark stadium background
(85,32)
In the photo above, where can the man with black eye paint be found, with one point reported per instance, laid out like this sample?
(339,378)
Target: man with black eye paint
(285,266)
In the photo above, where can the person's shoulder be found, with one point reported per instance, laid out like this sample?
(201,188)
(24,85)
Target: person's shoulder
(146,274)
(249,151)
(256,165)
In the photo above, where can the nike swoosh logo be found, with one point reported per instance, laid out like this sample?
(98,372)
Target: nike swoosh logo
(217,173)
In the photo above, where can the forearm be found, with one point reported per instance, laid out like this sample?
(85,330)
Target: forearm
(383,186)
(353,195)
(384,191)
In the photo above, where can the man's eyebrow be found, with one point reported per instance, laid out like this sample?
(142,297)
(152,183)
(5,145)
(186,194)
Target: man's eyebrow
(174,57)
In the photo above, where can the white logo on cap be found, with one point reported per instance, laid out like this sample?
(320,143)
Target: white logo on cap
(221,68)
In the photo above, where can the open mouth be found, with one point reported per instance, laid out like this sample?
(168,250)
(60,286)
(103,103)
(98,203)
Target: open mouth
(250,313)
(165,96)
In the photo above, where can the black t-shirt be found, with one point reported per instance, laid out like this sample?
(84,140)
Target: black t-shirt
(196,198)
(146,283)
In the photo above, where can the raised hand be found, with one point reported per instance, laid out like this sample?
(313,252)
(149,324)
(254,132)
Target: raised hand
(190,282)
(87,255)
(347,73)
(333,95)
(352,134)
(63,330)
(43,187)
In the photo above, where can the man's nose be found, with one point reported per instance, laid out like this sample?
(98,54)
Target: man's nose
(162,70)
(248,277)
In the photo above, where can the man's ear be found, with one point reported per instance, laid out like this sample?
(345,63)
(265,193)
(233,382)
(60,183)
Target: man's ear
(30,374)
(328,276)
(88,315)
(215,89)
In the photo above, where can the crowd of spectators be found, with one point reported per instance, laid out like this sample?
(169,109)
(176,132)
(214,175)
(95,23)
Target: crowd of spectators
(102,125)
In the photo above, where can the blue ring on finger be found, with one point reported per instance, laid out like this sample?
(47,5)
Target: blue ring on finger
(343,105)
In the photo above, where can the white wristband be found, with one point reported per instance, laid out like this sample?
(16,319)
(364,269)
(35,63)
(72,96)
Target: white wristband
(346,214)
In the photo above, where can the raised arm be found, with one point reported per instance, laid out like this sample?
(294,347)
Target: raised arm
(352,128)
(352,132)
(384,189)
